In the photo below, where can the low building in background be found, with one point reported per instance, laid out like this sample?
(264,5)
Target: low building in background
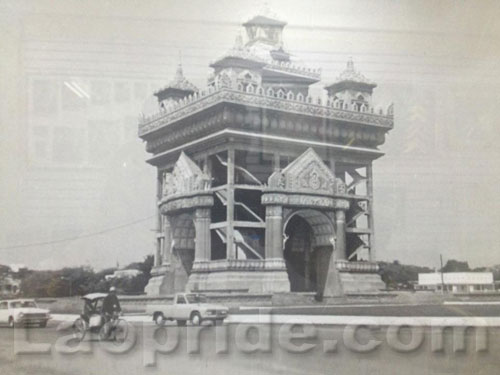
(457,282)
(123,274)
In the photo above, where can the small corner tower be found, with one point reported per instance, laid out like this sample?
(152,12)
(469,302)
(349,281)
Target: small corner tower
(177,89)
(352,90)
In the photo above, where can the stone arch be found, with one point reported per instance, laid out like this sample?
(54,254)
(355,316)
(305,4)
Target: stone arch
(322,225)
(308,244)
(183,241)
(183,231)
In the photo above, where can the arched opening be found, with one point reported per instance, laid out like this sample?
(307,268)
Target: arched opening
(309,235)
(183,237)
(298,253)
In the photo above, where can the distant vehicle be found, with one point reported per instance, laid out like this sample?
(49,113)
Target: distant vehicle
(190,307)
(92,320)
(23,312)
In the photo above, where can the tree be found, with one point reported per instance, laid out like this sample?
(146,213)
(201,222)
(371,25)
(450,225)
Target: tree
(57,287)
(82,280)
(35,284)
(456,266)
(136,284)
(4,270)
(400,276)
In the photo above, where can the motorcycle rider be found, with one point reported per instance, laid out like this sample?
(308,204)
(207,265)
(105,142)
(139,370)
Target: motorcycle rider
(111,304)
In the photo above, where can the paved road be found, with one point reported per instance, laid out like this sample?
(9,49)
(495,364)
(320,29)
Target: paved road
(492,310)
(246,349)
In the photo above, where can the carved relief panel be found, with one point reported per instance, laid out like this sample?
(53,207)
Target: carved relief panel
(186,177)
(307,173)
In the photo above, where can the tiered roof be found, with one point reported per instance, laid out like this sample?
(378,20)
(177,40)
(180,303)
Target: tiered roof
(179,87)
(350,78)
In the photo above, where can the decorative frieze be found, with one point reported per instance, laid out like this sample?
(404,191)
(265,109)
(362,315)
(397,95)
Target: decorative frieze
(239,265)
(256,121)
(262,99)
(304,200)
(356,267)
(230,265)
(286,66)
(186,203)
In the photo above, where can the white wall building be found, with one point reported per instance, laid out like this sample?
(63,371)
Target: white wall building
(457,282)
(123,274)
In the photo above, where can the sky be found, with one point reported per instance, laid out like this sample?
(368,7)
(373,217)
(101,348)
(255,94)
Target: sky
(436,188)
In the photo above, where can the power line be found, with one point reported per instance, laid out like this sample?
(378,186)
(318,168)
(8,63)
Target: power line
(77,237)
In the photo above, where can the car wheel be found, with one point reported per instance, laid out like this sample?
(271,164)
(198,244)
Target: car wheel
(195,319)
(159,319)
(181,323)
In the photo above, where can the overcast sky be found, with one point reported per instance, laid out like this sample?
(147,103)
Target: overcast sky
(436,189)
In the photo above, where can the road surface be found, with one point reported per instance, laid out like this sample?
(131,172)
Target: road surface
(254,349)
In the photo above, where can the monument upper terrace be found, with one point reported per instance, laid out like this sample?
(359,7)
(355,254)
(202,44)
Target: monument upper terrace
(236,93)
(261,75)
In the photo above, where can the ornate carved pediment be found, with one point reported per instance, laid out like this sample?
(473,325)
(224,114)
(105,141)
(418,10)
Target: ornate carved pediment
(185,178)
(307,173)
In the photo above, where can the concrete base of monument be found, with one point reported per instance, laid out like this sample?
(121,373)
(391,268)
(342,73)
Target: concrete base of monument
(162,282)
(346,278)
(240,282)
(361,283)
(158,286)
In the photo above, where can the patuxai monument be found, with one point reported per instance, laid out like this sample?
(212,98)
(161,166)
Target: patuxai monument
(264,187)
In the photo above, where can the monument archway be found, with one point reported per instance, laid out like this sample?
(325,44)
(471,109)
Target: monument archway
(183,243)
(184,235)
(308,244)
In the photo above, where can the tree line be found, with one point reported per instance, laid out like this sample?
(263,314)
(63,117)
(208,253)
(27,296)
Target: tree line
(74,281)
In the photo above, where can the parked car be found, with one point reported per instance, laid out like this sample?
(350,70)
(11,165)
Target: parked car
(23,312)
(190,307)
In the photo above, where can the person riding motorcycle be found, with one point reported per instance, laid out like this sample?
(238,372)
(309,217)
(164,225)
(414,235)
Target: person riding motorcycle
(111,304)
(110,311)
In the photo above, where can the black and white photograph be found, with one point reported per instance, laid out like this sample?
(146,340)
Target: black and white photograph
(249,187)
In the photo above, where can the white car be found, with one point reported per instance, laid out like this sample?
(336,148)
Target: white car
(22,312)
(191,307)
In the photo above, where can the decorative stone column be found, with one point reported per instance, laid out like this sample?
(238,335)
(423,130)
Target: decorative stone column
(230,245)
(202,241)
(274,232)
(167,241)
(275,277)
(159,250)
(161,282)
(340,244)
(333,284)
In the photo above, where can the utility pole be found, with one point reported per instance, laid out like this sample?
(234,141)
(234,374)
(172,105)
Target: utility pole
(442,277)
